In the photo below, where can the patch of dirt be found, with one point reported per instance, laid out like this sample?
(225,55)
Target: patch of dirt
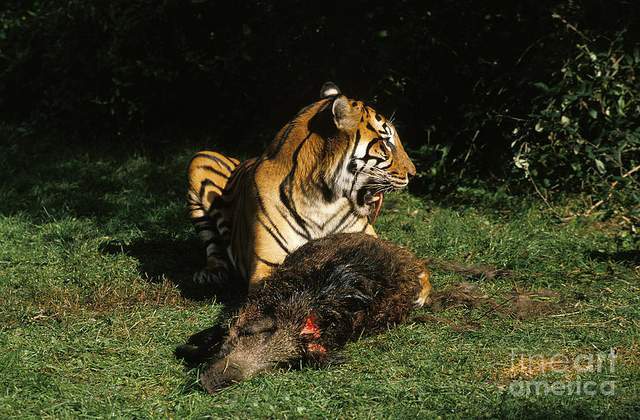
(629,356)
(531,367)
(60,302)
(520,303)
(569,365)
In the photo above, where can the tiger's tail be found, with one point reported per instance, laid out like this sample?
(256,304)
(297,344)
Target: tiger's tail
(208,174)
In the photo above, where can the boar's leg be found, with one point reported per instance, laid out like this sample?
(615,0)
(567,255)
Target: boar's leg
(425,291)
(202,345)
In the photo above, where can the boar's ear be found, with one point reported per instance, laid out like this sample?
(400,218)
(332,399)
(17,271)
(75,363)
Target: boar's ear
(260,325)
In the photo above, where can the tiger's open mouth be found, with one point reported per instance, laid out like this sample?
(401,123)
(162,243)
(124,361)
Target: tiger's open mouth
(372,201)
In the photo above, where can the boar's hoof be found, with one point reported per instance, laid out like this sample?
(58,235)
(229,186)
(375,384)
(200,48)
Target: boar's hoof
(420,302)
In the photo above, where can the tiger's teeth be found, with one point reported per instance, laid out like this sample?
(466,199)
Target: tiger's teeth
(375,198)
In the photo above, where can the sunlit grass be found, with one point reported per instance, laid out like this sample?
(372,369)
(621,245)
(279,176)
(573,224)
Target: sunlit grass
(96,248)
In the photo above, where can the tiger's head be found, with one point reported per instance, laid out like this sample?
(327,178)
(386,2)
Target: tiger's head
(373,159)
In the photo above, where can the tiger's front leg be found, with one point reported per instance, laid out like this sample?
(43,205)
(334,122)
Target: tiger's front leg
(268,247)
(261,271)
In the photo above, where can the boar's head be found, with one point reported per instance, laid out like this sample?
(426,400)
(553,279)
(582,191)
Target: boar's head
(260,339)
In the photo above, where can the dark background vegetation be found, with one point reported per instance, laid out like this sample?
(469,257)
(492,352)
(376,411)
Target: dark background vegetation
(540,96)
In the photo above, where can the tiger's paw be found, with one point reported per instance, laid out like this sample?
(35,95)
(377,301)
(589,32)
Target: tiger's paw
(215,279)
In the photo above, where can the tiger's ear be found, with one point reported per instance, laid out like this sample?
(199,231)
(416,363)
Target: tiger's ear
(344,115)
(328,90)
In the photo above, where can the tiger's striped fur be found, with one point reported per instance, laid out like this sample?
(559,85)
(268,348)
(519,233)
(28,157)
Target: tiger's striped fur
(325,172)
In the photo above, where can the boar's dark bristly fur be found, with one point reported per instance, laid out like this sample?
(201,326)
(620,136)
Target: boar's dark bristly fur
(326,293)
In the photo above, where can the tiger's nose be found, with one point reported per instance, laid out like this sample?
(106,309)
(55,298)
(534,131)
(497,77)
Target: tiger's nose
(411,169)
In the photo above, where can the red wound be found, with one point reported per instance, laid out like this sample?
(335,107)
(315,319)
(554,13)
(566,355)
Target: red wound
(310,327)
(316,348)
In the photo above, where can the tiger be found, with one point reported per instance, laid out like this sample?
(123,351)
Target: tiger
(326,171)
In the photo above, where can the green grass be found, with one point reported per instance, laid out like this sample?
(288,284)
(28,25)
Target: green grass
(95,250)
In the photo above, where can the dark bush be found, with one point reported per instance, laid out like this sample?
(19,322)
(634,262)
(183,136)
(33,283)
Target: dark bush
(583,132)
(584,129)
(469,81)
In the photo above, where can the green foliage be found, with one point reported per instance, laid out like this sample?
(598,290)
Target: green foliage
(584,128)
(587,119)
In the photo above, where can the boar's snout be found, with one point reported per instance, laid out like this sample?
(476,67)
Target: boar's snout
(249,350)
(222,374)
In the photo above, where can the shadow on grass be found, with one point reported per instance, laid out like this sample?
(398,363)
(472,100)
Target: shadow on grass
(118,192)
(166,258)
(175,260)
(629,258)
(45,182)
